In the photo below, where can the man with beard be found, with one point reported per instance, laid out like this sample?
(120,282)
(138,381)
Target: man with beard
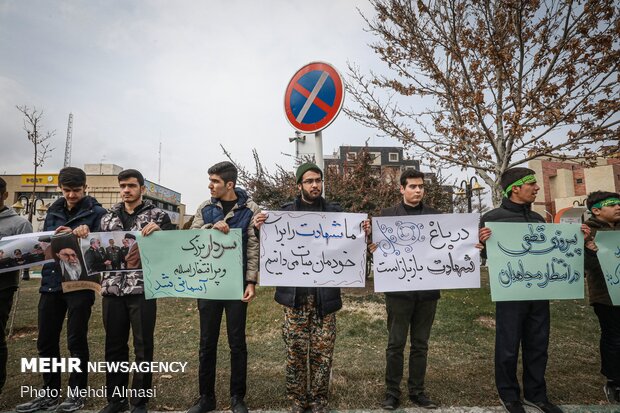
(95,257)
(10,224)
(605,209)
(77,213)
(309,329)
(229,207)
(70,264)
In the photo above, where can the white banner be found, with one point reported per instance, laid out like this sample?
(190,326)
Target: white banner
(426,252)
(312,249)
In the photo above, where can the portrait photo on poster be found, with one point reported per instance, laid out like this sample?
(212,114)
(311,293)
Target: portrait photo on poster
(111,251)
(24,250)
(70,260)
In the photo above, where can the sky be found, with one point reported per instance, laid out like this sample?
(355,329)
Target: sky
(192,74)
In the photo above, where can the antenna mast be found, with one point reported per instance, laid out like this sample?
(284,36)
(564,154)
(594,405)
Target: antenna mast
(68,143)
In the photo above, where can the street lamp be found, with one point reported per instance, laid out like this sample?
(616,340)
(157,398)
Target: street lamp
(468,188)
(25,205)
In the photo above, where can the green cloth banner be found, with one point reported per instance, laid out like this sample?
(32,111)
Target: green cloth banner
(534,261)
(608,243)
(196,263)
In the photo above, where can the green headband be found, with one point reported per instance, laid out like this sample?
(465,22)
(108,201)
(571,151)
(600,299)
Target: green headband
(528,179)
(606,202)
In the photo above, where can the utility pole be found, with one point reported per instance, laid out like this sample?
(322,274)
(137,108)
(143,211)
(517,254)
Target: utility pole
(68,143)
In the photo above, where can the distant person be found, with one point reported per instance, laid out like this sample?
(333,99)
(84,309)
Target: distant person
(10,224)
(309,329)
(78,213)
(605,209)
(114,255)
(409,313)
(124,307)
(229,207)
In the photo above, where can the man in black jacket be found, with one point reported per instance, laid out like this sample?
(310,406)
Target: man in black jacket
(409,312)
(308,311)
(520,323)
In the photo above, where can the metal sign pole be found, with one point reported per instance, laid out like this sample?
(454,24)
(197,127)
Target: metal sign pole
(318,137)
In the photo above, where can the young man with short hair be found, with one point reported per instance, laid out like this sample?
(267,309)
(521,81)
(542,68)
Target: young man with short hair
(124,305)
(78,213)
(10,224)
(309,329)
(522,324)
(228,208)
(605,209)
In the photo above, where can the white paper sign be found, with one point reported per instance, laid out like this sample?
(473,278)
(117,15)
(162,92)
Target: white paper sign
(426,252)
(312,249)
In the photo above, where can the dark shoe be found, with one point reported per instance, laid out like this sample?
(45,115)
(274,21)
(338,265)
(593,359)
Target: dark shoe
(141,408)
(390,403)
(423,401)
(513,407)
(612,392)
(40,403)
(71,404)
(237,405)
(116,406)
(203,405)
(545,407)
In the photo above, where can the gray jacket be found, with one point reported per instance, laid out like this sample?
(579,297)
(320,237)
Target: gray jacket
(11,224)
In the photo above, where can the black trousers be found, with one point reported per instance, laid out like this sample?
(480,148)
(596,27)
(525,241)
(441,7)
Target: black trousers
(119,315)
(77,306)
(6,302)
(210,319)
(522,324)
(609,320)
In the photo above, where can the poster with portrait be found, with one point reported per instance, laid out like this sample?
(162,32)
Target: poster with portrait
(24,251)
(111,251)
(70,261)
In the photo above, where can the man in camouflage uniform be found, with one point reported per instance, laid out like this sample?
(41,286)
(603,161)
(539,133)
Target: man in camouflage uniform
(124,305)
(114,255)
(309,329)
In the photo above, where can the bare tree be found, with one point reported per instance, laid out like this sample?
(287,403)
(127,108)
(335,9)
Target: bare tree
(41,146)
(493,84)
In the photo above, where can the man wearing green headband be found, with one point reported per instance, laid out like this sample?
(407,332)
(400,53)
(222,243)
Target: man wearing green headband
(605,209)
(522,324)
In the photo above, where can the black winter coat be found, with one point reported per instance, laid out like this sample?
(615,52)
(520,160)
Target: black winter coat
(328,298)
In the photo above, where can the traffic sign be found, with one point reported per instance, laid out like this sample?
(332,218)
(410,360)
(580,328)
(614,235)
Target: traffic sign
(314,97)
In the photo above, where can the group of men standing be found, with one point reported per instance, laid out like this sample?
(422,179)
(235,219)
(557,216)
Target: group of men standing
(309,328)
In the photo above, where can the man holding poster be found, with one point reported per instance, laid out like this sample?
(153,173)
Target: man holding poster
(77,213)
(520,323)
(229,207)
(309,329)
(409,312)
(605,209)
(10,224)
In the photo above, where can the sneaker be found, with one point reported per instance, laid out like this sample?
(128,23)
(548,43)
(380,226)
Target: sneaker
(612,392)
(422,400)
(319,408)
(40,403)
(203,405)
(237,405)
(545,407)
(513,407)
(71,404)
(116,406)
(390,403)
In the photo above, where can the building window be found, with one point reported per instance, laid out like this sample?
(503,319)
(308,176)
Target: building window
(393,156)
(579,180)
(351,156)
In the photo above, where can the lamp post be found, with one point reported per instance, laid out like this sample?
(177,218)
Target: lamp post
(26,206)
(468,188)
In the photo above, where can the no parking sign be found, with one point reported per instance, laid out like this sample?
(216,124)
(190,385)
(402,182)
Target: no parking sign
(314,97)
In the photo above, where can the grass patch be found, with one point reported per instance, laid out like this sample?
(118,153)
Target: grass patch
(460,368)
